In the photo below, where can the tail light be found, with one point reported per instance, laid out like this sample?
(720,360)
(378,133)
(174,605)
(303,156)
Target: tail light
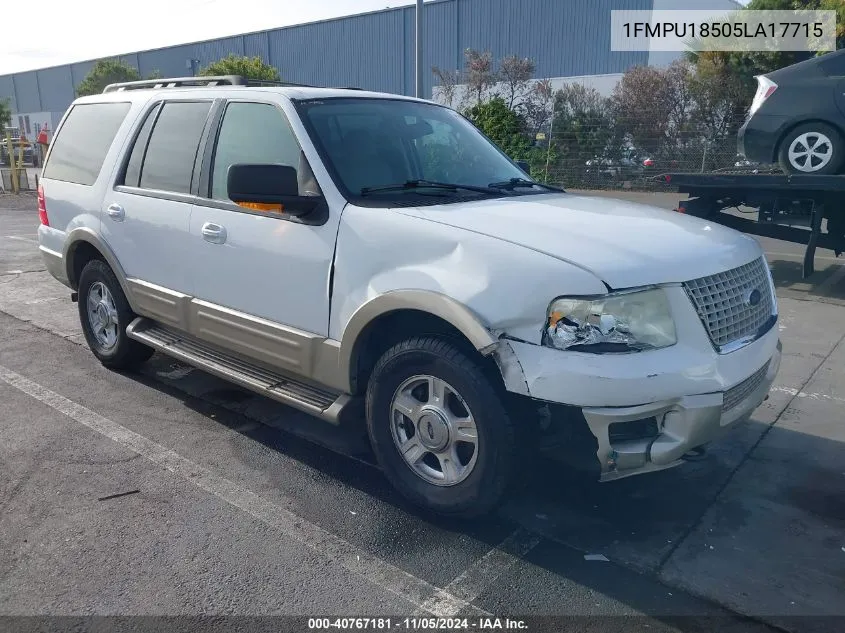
(42,207)
(648,162)
(765,88)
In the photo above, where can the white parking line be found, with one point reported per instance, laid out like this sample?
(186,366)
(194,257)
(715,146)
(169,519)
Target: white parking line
(478,576)
(22,239)
(416,591)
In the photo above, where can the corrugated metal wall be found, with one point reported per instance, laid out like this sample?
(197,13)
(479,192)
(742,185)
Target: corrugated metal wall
(376,50)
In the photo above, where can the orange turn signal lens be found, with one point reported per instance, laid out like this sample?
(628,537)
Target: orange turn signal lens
(260,206)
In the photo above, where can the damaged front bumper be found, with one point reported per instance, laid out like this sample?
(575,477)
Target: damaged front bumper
(670,429)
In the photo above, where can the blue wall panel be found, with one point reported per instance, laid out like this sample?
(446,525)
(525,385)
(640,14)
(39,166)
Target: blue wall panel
(170,62)
(256,45)
(565,38)
(78,72)
(56,88)
(440,40)
(361,50)
(207,52)
(26,85)
(376,50)
(131,59)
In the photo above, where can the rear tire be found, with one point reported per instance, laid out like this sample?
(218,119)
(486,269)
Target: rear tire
(455,450)
(105,313)
(812,148)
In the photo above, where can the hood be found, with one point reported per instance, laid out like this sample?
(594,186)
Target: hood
(624,244)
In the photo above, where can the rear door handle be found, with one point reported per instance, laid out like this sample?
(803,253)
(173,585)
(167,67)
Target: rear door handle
(116,212)
(213,233)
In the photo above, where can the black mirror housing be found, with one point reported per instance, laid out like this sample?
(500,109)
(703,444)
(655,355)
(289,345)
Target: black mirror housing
(524,166)
(269,184)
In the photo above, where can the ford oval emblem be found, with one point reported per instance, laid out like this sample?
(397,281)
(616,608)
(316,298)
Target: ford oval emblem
(752,298)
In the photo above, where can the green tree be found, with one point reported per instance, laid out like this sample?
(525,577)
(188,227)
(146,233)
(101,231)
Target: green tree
(249,67)
(507,129)
(5,117)
(839,7)
(502,125)
(105,72)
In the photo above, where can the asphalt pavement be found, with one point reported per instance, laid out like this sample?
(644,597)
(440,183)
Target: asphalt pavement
(170,492)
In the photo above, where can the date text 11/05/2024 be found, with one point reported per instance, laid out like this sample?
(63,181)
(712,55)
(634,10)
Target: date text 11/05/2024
(742,30)
(417,624)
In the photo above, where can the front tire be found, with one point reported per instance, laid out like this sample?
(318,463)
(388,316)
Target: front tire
(105,313)
(812,148)
(439,429)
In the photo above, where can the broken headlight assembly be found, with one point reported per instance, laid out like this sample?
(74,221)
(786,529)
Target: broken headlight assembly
(619,322)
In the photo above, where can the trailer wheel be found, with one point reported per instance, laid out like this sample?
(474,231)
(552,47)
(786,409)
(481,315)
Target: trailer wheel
(812,148)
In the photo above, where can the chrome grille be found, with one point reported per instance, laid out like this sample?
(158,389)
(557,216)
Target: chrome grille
(724,302)
(740,392)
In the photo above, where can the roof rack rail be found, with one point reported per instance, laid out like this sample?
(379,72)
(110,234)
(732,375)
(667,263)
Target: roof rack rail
(195,82)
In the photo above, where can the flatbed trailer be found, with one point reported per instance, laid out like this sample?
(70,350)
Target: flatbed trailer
(805,209)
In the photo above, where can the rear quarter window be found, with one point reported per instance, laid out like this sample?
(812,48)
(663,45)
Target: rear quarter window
(80,147)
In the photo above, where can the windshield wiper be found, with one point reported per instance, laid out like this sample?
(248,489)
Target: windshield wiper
(513,183)
(428,184)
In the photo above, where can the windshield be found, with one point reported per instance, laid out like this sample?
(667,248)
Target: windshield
(375,146)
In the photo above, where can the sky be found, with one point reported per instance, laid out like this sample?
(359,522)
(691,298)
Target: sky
(86,29)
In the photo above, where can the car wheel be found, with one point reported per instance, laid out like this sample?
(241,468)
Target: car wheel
(105,313)
(438,428)
(812,148)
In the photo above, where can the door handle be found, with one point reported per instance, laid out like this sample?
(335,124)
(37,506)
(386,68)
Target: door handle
(116,212)
(213,233)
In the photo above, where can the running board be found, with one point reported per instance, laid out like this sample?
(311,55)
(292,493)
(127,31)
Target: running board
(321,403)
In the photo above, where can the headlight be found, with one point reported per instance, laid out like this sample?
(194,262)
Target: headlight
(623,322)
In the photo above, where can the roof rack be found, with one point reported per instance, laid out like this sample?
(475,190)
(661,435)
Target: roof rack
(196,82)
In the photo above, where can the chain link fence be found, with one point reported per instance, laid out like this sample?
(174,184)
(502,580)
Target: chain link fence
(583,163)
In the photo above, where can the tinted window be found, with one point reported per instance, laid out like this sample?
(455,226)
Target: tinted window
(373,143)
(172,149)
(133,167)
(257,133)
(83,141)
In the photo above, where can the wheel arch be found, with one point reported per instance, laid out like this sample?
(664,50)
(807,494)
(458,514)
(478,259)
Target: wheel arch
(81,246)
(408,312)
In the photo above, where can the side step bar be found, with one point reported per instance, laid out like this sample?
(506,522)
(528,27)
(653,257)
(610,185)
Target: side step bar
(321,403)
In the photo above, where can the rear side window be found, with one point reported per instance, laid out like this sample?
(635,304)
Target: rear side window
(80,148)
(171,149)
(132,177)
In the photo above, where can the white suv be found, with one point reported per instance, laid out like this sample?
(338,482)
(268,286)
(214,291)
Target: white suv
(319,245)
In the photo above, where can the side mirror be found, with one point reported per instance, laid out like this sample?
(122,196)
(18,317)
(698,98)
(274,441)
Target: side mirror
(269,185)
(524,166)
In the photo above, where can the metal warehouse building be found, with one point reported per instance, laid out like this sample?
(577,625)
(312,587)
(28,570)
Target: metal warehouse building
(566,38)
